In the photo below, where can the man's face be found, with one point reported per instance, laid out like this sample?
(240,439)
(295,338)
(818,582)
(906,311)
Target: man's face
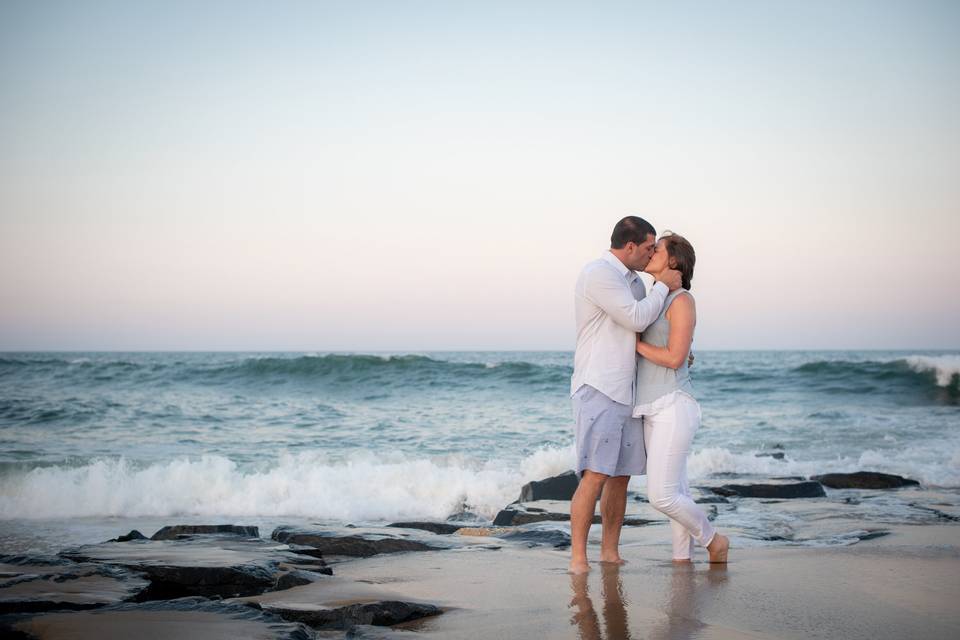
(638,255)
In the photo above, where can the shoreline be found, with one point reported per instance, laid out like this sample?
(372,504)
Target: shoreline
(835,566)
(901,585)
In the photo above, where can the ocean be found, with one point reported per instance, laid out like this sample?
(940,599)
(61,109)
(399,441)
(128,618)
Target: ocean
(102,439)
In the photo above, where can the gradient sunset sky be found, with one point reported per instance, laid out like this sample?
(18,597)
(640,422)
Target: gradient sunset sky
(433,175)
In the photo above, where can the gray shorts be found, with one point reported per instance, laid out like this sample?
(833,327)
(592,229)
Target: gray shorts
(609,438)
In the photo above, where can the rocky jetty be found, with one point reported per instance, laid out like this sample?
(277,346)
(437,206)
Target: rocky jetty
(354,543)
(200,565)
(133,535)
(380,613)
(863,480)
(31,584)
(561,487)
(440,528)
(197,580)
(534,536)
(179,531)
(781,491)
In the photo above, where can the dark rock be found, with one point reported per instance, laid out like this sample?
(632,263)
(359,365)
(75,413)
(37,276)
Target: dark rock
(362,545)
(786,491)
(169,582)
(777,455)
(295,578)
(712,500)
(133,535)
(45,584)
(304,550)
(561,487)
(209,618)
(207,566)
(174,532)
(382,613)
(863,480)
(871,535)
(441,528)
(536,537)
(516,517)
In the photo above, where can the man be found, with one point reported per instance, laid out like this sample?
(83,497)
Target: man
(611,306)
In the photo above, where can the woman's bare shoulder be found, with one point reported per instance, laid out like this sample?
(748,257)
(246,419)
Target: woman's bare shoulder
(683,303)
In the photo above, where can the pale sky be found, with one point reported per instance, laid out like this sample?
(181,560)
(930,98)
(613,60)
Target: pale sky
(433,175)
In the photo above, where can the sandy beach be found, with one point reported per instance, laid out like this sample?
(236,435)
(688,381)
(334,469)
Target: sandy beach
(904,585)
(841,577)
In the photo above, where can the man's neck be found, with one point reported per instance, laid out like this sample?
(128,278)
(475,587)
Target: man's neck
(620,255)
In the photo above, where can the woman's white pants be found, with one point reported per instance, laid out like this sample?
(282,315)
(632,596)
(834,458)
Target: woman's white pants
(668,435)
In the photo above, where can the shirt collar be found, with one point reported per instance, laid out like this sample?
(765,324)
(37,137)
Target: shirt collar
(629,274)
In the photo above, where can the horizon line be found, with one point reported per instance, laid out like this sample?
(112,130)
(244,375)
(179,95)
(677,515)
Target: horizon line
(338,351)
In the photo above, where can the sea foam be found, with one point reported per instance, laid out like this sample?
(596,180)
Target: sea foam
(362,487)
(365,487)
(946,368)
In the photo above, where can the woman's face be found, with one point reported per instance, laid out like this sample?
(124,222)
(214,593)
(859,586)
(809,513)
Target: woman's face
(660,259)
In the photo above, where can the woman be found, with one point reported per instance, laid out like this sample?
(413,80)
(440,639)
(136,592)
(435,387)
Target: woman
(671,415)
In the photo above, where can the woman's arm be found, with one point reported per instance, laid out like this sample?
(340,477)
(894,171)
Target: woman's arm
(682,315)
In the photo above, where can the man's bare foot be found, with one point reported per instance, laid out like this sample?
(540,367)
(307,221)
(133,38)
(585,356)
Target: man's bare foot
(718,549)
(682,561)
(578,568)
(612,559)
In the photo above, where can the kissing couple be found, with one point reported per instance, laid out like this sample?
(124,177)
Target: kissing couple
(632,399)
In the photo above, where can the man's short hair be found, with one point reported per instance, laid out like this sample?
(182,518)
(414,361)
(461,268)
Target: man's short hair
(631,229)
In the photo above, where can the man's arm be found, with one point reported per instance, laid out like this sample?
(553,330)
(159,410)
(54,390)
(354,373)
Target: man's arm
(607,290)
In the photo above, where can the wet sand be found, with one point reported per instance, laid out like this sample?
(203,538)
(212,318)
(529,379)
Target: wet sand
(144,625)
(904,585)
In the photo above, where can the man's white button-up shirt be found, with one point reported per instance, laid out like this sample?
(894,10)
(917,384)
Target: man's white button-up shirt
(608,318)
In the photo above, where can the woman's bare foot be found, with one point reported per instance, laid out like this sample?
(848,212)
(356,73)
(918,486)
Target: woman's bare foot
(682,561)
(718,549)
(578,568)
(612,559)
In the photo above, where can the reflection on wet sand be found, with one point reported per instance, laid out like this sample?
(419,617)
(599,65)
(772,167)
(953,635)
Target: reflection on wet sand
(614,606)
(688,592)
(689,589)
